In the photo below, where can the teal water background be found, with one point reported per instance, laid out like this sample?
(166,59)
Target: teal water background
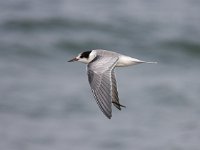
(46,103)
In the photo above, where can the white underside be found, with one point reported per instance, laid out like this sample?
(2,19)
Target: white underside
(127,61)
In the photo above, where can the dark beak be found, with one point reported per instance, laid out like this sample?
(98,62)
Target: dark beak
(74,59)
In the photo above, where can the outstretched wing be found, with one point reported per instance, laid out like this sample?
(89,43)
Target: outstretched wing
(115,98)
(101,82)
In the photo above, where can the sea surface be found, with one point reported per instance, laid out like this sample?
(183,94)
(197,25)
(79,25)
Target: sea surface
(46,102)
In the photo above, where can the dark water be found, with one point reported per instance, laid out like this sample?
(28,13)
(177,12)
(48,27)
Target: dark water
(46,103)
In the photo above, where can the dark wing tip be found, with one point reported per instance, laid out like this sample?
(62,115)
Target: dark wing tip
(102,106)
(106,113)
(109,117)
(118,105)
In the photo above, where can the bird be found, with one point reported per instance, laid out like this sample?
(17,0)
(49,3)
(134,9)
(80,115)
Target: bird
(101,76)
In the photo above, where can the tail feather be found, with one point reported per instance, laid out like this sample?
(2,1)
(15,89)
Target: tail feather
(150,62)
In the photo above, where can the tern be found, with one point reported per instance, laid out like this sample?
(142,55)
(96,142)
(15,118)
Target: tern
(101,76)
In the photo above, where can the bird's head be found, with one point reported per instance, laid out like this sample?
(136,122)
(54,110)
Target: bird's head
(84,57)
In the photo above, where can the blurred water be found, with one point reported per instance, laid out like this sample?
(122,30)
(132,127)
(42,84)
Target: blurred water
(46,103)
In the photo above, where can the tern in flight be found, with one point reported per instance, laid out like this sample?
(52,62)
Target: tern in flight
(101,76)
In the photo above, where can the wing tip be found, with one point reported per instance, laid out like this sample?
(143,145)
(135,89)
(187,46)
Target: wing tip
(118,105)
(109,117)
